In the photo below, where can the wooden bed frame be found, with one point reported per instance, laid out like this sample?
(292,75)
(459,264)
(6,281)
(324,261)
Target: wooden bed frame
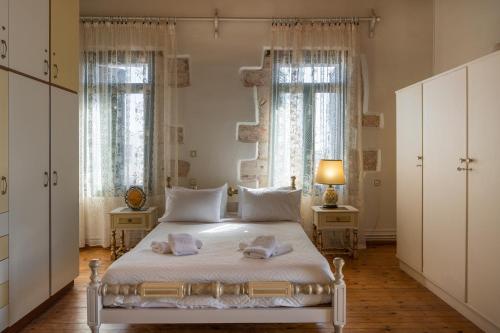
(335,314)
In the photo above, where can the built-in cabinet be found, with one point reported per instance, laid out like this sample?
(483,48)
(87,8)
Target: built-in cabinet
(458,194)
(38,153)
(29,199)
(29,37)
(409,176)
(64,188)
(64,32)
(4,199)
(31,25)
(4,32)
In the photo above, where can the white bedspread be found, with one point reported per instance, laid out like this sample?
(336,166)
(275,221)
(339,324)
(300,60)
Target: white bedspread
(220,260)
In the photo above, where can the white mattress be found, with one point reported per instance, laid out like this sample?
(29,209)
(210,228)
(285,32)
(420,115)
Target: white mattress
(220,260)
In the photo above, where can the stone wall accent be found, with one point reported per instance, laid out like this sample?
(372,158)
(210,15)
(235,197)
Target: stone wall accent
(372,120)
(255,171)
(371,160)
(183,77)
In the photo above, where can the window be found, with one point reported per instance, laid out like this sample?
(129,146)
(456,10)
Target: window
(118,116)
(308,107)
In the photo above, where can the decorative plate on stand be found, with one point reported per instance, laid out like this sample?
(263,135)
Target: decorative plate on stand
(135,198)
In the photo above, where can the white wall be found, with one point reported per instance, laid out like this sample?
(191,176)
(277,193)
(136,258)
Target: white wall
(464,30)
(400,54)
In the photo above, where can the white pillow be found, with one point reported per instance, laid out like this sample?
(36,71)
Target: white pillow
(241,193)
(192,206)
(223,203)
(276,205)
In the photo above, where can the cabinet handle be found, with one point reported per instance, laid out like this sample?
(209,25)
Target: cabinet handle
(46,177)
(463,169)
(47,67)
(4,49)
(419,165)
(56,178)
(466,160)
(420,158)
(56,71)
(4,185)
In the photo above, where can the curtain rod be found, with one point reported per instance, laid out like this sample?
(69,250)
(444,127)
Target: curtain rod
(372,20)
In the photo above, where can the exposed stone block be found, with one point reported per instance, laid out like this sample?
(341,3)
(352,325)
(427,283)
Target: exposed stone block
(371,160)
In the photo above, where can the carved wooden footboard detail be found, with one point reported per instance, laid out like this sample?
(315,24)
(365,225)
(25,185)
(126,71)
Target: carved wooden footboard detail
(96,290)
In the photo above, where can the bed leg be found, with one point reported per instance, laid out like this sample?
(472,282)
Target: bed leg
(339,297)
(94,300)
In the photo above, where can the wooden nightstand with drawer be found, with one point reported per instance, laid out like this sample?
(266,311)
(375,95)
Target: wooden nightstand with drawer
(123,219)
(343,218)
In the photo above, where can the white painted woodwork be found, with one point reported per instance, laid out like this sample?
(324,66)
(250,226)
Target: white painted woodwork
(4,318)
(4,141)
(409,176)
(444,195)
(64,29)
(4,32)
(29,37)
(64,190)
(484,187)
(29,198)
(4,271)
(4,224)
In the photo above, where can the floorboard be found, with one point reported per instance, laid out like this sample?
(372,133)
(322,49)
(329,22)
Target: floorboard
(381,299)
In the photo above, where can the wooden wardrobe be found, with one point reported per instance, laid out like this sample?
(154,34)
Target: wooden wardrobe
(38,153)
(448,187)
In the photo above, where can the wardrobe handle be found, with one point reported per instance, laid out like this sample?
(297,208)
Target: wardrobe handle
(46,182)
(56,178)
(420,158)
(466,160)
(47,67)
(4,47)
(463,169)
(56,71)
(419,165)
(4,185)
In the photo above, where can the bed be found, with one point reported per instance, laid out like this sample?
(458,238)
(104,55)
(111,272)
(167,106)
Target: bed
(219,285)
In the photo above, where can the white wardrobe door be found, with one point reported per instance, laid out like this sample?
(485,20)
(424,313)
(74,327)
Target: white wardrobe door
(4,32)
(484,188)
(29,37)
(444,188)
(64,193)
(29,195)
(409,176)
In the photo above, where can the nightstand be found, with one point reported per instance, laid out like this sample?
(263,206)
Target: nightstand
(343,218)
(124,218)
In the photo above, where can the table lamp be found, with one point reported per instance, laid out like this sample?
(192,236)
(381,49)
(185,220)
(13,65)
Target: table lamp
(330,172)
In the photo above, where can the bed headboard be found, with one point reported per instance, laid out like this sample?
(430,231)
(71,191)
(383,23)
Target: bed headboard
(232,190)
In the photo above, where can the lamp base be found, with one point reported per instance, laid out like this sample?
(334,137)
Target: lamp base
(330,197)
(329,206)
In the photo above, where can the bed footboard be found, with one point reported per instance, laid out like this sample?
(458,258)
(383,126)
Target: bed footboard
(96,290)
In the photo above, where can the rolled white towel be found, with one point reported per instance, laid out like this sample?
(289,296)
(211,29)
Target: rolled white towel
(164,247)
(261,247)
(279,250)
(182,244)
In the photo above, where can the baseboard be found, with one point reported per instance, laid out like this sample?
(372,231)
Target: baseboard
(380,235)
(23,322)
(461,307)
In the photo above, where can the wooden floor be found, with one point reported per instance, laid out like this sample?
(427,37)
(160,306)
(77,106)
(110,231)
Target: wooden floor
(381,298)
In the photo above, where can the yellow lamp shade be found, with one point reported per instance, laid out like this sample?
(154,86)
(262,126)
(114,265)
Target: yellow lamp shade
(330,172)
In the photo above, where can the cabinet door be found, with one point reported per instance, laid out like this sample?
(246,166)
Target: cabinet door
(4,141)
(64,31)
(29,37)
(484,188)
(409,176)
(444,187)
(4,32)
(64,191)
(29,195)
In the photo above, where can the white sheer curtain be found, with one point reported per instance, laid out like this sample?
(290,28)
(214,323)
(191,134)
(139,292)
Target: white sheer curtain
(128,118)
(316,107)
